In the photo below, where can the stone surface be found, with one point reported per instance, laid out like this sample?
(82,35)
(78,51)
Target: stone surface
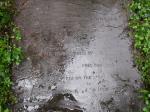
(78,57)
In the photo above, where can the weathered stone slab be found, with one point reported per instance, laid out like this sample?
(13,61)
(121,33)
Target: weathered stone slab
(78,57)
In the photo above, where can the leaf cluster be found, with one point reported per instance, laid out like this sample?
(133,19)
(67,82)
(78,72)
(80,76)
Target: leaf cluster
(140,26)
(9,53)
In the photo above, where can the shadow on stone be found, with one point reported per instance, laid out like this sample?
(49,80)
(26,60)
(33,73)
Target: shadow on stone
(61,103)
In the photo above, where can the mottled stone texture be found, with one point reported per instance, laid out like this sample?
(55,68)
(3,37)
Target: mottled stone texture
(77,57)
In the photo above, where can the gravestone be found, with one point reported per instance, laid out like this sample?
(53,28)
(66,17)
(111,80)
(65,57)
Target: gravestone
(78,57)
